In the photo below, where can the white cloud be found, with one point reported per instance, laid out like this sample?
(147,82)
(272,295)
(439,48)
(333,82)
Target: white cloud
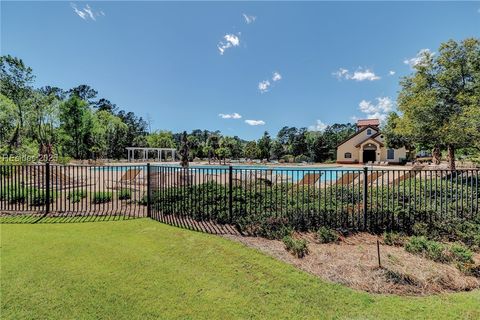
(230,116)
(391,73)
(341,73)
(255,122)
(377,110)
(263,86)
(87,12)
(276,76)
(364,75)
(359,75)
(249,18)
(318,126)
(231,40)
(419,58)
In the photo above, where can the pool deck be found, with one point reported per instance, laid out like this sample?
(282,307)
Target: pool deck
(262,165)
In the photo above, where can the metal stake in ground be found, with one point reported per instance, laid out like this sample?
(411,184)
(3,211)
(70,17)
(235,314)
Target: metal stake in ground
(378,253)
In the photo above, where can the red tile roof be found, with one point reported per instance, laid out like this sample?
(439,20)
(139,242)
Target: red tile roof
(368,122)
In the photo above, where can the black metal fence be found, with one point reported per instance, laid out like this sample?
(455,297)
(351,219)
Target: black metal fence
(48,192)
(240,199)
(249,200)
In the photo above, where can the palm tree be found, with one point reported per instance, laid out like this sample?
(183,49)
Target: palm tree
(184,150)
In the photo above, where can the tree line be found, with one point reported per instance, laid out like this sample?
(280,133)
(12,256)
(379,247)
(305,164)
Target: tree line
(77,123)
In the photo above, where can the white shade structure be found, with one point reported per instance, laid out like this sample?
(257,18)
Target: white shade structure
(150,154)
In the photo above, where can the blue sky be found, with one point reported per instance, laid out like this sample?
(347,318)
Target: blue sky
(241,68)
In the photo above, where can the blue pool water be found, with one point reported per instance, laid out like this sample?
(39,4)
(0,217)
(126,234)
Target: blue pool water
(293,173)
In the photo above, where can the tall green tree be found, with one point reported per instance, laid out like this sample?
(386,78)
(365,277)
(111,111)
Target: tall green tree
(265,145)
(277,150)
(299,144)
(76,126)
(317,147)
(223,153)
(213,143)
(43,120)
(437,102)
(8,121)
(84,92)
(110,131)
(251,150)
(16,81)
(184,150)
(161,139)
(233,144)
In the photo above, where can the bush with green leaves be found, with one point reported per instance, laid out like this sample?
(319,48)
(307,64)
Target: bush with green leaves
(16,195)
(274,228)
(306,208)
(288,158)
(124,194)
(76,196)
(39,197)
(301,158)
(394,238)
(420,229)
(460,253)
(101,197)
(63,160)
(326,235)
(430,249)
(298,247)
(6,169)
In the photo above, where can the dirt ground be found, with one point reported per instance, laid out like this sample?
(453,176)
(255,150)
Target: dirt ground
(353,262)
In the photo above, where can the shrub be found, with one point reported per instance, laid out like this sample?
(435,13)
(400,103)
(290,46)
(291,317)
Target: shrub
(5,192)
(301,158)
(101,197)
(394,239)
(39,198)
(420,229)
(6,169)
(288,158)
(298,247)
(325,235)
(469,233)
(430,249)
(63,160)
(124,194)
(461,253)
(274,228)
(16,195)
(76,195)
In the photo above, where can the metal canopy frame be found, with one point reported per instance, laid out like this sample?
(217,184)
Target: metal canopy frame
(145,153)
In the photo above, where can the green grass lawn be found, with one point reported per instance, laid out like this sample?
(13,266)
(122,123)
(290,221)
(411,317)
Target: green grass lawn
(142,269)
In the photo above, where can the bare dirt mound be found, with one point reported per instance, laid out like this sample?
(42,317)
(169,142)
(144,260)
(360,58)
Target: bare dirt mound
(354,262)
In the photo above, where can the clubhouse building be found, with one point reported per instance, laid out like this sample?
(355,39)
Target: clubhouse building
(367,145)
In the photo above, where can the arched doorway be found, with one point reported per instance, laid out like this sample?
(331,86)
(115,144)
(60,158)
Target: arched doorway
(369,153)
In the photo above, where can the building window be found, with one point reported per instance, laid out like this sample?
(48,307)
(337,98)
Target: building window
(348,155)
(369,132)
(390,154)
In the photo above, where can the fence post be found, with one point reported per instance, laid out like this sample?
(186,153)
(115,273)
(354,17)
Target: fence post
(365,197)
(47,185)
(149,200)
(230,193)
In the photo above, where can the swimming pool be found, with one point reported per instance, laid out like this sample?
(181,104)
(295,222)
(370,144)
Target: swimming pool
(293,173)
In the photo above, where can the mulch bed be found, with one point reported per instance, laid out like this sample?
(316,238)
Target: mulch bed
(353,262)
